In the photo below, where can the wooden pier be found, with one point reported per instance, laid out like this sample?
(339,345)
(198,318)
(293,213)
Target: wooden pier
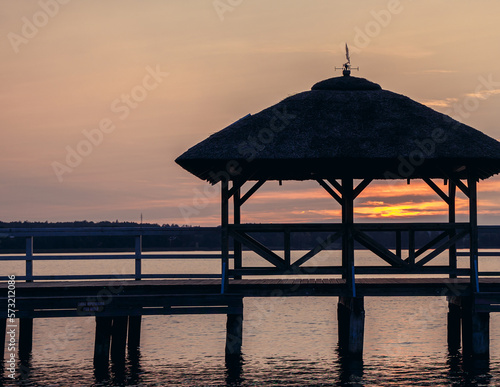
(117,302)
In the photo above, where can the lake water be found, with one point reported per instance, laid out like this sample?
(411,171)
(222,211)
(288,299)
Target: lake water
(286,342)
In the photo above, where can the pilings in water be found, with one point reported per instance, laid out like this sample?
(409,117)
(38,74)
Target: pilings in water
(111,339)
(134,333)
(351,325)
(469,326)
(475,330)
(25,337)
(118,339)
(454,319)
(234,329)
(466,325)
(103,326)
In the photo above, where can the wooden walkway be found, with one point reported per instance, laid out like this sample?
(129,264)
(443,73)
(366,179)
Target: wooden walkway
(120,297)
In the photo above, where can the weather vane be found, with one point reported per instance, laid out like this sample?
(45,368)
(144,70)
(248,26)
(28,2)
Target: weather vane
(347,65)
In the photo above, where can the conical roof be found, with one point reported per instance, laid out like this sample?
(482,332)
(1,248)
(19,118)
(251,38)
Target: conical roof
(344,127)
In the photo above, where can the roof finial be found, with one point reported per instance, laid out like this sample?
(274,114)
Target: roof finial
(347,65)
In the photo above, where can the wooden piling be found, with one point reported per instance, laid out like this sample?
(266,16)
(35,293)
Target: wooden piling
(25,337)
(234,329)
(475,331)
(351,325)
(134,333)
(118,339)
(102,342)
(454,323)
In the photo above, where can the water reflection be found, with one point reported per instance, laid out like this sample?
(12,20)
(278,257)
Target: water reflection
(351,369)
(120,372)
(467,371)
(234,369)
(134,366)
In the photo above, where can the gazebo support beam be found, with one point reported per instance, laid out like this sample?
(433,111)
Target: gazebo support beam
(225,234)
(452,252)
(236,187)
(473,233)
(460,185)
(348,237)
(238,254)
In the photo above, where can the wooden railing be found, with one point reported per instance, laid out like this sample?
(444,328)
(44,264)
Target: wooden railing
(408,256)
(413,258)
(137,255)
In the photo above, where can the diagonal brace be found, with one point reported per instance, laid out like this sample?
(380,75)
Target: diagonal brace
(442,248)
(329,189)
(361,186)
(379,249)
(251,191)
(259,248)
(437,190)
(318,248)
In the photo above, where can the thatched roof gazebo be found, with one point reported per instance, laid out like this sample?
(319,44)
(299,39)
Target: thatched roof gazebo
(346,129)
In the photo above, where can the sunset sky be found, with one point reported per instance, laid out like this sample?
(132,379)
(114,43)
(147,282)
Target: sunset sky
(142,81)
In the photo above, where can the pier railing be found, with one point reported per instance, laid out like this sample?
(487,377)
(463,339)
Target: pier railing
(407,254)
(137,255)
(410,253)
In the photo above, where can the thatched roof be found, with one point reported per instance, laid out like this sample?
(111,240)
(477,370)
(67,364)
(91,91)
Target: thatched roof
(344,127)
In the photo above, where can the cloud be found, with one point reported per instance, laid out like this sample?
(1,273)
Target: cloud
(483,94)
(439,103)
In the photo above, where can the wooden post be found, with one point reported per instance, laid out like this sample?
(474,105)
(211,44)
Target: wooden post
(25,337)
(3,328)
(454,321)
(347,238)
(237,245)
(29,260)
(138,253)
(118,339)
(473,233)
(411,247)
(351,325)
(398,243)
(102,342)
(452,219)
(287,248)
(234,330)
(134,333)
(475,331)
(224,234)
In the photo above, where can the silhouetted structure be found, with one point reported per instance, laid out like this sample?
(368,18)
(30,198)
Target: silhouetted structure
(344,129)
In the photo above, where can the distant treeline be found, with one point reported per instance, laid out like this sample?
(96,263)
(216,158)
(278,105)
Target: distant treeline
(175,237)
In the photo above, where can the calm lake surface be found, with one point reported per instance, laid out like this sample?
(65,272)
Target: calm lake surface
(286,342)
